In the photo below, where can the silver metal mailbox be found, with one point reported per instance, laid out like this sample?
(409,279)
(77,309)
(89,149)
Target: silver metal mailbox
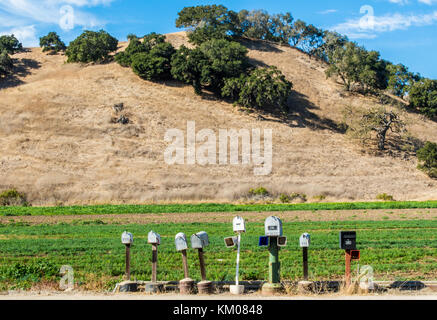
(273,227)
(127,238)
(153,238)
(239,224)
(181,241)
(305,240)
(199,240)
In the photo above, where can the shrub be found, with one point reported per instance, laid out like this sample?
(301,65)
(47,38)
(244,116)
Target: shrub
(91,46)
(320,197)
(284,198)
(155,64)
(423,97)
(135,46)
(384,197)
(208,65)
(12,198)
(52,43)
(262,88)
(6,64)
(301,196)
(261,191)
(10,44)
(428,158)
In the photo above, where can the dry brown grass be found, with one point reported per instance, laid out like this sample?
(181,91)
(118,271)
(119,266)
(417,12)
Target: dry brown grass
(58,145)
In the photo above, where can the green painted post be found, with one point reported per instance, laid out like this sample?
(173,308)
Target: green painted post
(274,264)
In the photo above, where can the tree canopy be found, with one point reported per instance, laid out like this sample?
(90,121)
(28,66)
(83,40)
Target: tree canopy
(52,43)
(91,46)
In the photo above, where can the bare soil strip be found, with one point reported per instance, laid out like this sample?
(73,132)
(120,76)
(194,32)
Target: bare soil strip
(221,217)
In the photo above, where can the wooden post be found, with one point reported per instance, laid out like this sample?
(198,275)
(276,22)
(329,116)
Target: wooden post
(202,265)
(154,261)
(185,263)
(127,261)
(348,267)
(305,262)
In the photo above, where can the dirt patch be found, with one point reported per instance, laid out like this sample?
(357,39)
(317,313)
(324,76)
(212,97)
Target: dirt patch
(226,217)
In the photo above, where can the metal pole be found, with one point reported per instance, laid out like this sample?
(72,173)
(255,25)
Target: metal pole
(348,267)
(305,262)
(185,263)
(202,265)
(238,259)
(274,264)
(128,261)
(154,261)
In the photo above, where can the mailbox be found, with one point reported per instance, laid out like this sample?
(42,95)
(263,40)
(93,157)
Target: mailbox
(263,241)
(238,224)
(305,240)
(199,240)
(355,254)
(231,241)
(181,242)
(273,227)
(282,241)
(127,238)
(348,240)
(153,238)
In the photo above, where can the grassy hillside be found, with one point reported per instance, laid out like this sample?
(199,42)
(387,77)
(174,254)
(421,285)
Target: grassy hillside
(59,146)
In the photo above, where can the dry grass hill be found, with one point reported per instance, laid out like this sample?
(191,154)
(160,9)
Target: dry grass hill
(58,144)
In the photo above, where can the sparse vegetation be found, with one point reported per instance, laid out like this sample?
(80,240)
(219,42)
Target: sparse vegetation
(91,46)
(428,158)
(261,191)
(319,197)
(52,43)
(12,198)
(385,197)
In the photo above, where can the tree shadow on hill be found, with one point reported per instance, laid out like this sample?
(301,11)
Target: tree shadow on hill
(259,45)
(22,68)
(299,114)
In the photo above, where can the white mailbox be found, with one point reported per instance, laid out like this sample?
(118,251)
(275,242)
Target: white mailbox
(199,240)
(273,227)
(238,224)
(127,238)
(181,242)
(305,240)
(153,238)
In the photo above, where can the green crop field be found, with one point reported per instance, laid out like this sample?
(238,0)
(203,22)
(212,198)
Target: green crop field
(209,207)
(32,254)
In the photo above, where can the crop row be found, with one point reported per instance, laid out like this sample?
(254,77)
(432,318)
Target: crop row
(210,207)
(397,250)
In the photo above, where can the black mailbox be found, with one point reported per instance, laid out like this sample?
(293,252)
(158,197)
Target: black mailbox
(348,240)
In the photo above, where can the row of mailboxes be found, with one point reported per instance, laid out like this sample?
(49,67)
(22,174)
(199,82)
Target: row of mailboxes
(273,228)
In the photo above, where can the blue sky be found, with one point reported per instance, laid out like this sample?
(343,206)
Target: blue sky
(404,31)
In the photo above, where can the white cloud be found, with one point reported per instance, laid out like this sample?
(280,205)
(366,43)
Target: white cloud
(428,2)
(356,29)
(26,34)
(401,2)
(328,11)
(21,15)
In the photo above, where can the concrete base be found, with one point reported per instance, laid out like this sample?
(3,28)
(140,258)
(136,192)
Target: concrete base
(204,287)
(153,287)
(234,289)
(272,288)
(128,286)
(186,286)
